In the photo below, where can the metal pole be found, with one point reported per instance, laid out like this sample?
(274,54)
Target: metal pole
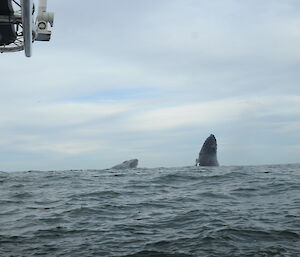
(27,25)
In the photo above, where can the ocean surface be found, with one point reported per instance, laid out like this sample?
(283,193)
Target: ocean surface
(162,212)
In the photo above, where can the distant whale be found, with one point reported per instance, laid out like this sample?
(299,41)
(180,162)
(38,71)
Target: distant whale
(208,153)
(130,164)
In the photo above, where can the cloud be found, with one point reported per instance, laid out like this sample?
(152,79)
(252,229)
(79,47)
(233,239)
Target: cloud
(65,148)
(59,114)
(232,110)
(197,114)
(153,79)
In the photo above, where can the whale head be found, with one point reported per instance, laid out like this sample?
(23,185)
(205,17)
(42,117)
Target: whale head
(210,145)
(130,164)
(208,153)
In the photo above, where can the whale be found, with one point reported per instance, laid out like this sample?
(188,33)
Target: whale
(208,153)
(130,164)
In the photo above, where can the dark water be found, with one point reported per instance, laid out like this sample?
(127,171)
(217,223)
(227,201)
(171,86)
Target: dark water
(167,212)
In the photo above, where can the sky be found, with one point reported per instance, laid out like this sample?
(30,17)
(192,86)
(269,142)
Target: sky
(152,80)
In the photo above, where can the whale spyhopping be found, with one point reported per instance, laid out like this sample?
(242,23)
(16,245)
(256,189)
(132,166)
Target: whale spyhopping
(208,153)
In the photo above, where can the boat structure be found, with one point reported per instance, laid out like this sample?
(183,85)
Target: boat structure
(21,25)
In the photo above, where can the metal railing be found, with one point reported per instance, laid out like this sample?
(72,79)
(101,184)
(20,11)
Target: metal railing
(27,30)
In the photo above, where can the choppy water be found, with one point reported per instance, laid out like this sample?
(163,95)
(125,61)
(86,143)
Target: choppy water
(163,212)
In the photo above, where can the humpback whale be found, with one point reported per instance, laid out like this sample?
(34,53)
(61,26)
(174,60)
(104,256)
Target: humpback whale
(130,164)
(208,153)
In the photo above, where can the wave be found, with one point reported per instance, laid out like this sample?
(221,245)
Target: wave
(173,212)
(157,254)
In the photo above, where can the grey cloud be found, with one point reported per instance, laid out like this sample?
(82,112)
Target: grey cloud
(242,56)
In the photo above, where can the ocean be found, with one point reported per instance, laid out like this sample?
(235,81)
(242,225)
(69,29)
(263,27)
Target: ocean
(161,212)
